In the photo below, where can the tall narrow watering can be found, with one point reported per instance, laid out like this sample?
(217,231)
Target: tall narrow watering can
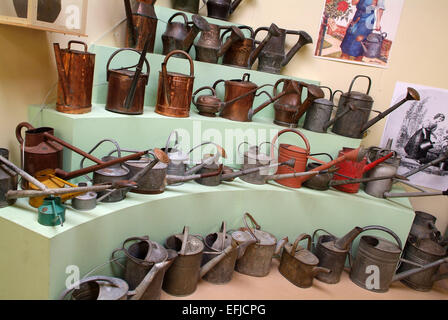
(142,25)
(273,56)
(221,9)
(75,85)
(175,89)
(180,36)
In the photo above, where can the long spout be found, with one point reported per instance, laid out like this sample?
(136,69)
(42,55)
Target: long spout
(411,272)
(411,95)
(314,92)
(356,181)
(372,165)
(441,158)
(306,175)
(199,24)
(350,108)
(317,270)
(212,263)
(304,39)
(172,179)
(344,242)
(130,21)
(233,175)
(273,31)
(148,279)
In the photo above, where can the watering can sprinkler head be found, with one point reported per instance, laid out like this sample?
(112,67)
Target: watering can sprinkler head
(161,156)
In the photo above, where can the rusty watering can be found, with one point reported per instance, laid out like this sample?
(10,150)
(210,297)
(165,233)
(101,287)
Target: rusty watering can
(209,47)
(424,227)
(260,249)
(97,288)
(175,90)
(182,277)
(180,36)
(322,181)
(191,6)
(354,124)
(142,25)
(221,9)
(289,109)
(244,53)
(8,180)
(299,265)
(126,88)
(75,70)
(273,56)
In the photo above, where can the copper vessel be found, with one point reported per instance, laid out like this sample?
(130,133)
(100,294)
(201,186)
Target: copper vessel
(75,70)
(142,24)
(186,5)
(120,83)
(175,89)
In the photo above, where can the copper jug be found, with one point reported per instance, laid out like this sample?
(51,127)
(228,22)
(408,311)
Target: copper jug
(75,70)
(273,57)
(120,83)
(175,90)
(142,24)
(221,9)
(180,36)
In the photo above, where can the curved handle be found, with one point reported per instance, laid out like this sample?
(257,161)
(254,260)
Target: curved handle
(275,90)
(260,29)
(361,76)
(334,95)
(176,142)
(320,154)
(384,35)
(314,235)
(302,237)
(165,72)
(179,14)
(89,279)
(150,248)
(252,33)
(19,128)
(246,77)
(78,42)
(117,146)
(254,223)
(117,52)
(307,143)
(331,92)
(239,148)
(201,89)
(218,82)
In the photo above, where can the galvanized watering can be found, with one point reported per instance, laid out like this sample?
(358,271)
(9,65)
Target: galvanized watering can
(209,47)
(75,70)
(180,36)
(273,56)
(372,44)
(97,288)
(424,227)
(142,25)
(253,158)
(322,181)
(299,265)
(8,180)
(354,124)
(175,89)
(221,9)
(186,5)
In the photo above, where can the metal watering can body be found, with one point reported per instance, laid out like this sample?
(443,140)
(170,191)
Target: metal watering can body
(253,158)
(387,168)
(319,182)
(372,44)
(142,25)
(424,227)
(97,288)
(221,9)
(75,85)
(112,174)
(152,182)
(8,181)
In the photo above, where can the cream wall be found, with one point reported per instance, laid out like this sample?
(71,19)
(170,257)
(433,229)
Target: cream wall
(417,57)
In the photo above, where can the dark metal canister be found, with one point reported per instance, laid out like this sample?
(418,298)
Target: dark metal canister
(319,114)
(330,257)
(145,25)
(221,9)
(152,182)
(191,6)
(175,90)
(209,168)
(253,158)
(120,81)
(97,288)
(111,174)
(8,181)
(239,52)
(76,69)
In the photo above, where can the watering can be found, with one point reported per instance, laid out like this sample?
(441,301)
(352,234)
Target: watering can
(97,288)
(186,5)
(299,265)
(354,124)
(273,56)
(8,180)
(386,168)
(75,70)
(424,227)
(209,47)
(372,44)
(86,201)
(180,36)
(289,109)
(122,82)
(142,25)
(175,89)
(221,9)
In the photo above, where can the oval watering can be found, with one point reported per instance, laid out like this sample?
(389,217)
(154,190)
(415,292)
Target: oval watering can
(221,9)
(142,25)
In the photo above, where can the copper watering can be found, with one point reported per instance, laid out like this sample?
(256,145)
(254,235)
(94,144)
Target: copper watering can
(244,53)
(191,6)
(221,9)
(299,265)
(142,25)
(8,179)
(289,109)
(75,70)
(175,90)
(126,88)
(180,36)
(273,56)
(209,47)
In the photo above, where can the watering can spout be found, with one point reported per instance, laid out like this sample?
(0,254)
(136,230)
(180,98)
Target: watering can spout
(407,274)
(344,242)
(314,93)
(212,263)
(199,24)
(304,39)
(318,270)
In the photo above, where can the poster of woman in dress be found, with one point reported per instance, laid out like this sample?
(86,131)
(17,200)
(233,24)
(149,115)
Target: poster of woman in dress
(359,31)
(419,130)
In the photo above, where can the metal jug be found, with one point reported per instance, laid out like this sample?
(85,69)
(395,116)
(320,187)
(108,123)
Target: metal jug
(142,25)
(121,82)
(175,90)
(186,5)
(424,227)
(221,9)
(289,109)
(152,182)
(373,44)
(86,201)
(180,36)
(387,168)
(253,158)
(273,56)
(75,70)
(97,288)
(8,180)
(319,182)
(209,47)
(299,265)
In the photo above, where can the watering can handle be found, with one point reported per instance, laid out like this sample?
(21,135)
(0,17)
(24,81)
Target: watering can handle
(302,237)
(308,147)
(361,76)
(334,95)
(218,82)
(89,279)
(254,223)
(179,14)
(329,90)
(176,142)
(252,33)
(117,52)
(320,154)
(19,128)
(202,89)
(239,148)
(275,90)
(165,72)
(78,42)
(315,233)
(97,145)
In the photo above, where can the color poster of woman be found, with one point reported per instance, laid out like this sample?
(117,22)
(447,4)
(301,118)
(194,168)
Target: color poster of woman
(419,130)
(359,31)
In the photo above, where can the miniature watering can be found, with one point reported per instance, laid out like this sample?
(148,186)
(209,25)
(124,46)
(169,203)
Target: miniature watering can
(75,70)
(273,57)
(221,9)
(142,25)
(373,44)
(180,36)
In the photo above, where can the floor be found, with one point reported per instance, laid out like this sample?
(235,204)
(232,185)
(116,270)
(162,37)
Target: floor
(276,287)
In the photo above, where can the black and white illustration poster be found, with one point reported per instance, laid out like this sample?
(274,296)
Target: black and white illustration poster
(419,130)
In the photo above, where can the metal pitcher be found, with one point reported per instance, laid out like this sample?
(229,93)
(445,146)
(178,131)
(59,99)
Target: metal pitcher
(373,44)
(221,9)
(180,36)
(299,265)
(8,180)
(142,25)
(191,6)
(273,56)
(209,47)
(75,70)
(175,90)
(253,158)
